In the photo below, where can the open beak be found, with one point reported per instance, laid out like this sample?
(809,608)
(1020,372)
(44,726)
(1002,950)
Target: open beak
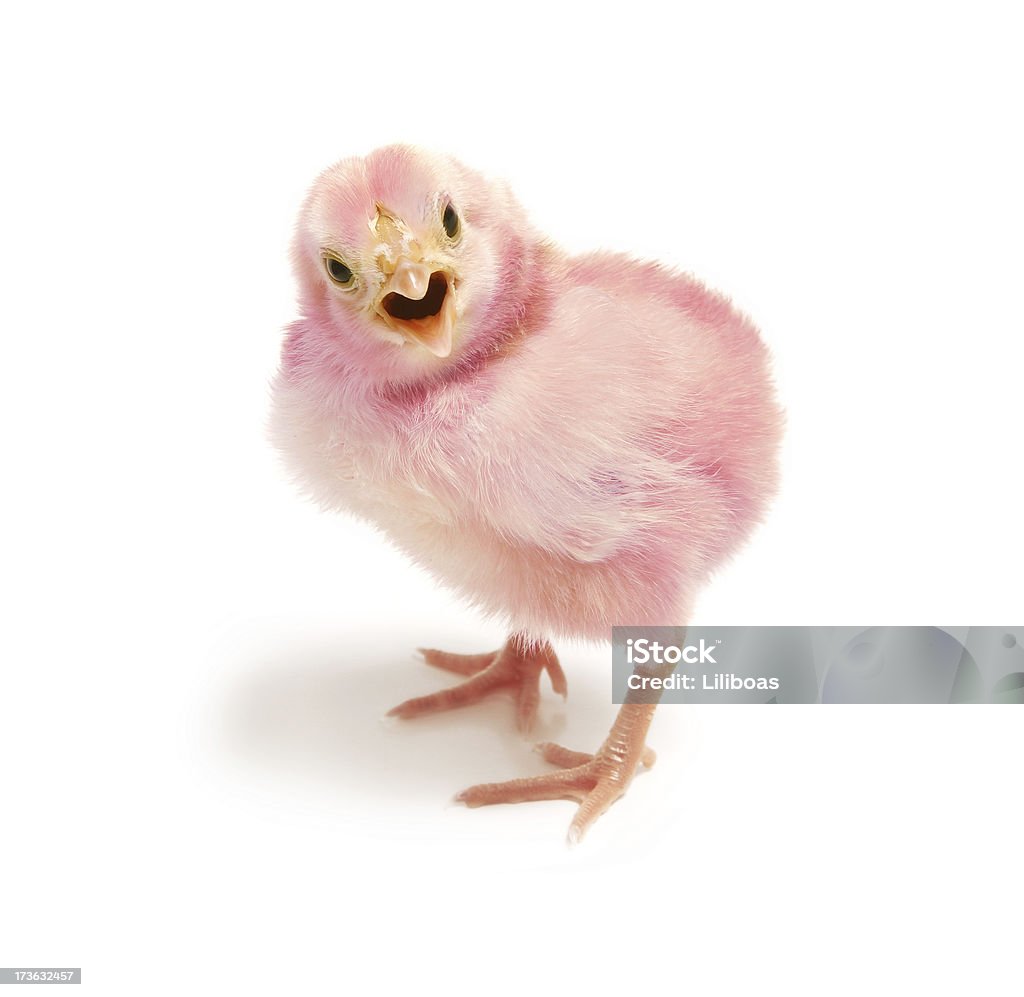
(419,302)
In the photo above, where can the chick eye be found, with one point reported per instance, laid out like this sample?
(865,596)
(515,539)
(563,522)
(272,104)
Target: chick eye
(450,220)
(338,272)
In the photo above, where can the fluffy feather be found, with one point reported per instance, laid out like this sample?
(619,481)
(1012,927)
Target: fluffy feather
(602,435)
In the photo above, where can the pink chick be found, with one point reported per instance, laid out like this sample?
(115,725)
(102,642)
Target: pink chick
(569,442)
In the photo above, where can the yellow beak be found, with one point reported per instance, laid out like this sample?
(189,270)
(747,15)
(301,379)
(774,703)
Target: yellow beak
(418,301)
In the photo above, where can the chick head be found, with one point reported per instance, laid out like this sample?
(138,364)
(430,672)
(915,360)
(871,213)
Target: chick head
(409,262)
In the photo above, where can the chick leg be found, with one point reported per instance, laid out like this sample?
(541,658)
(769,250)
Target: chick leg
(594,781)
(516,667)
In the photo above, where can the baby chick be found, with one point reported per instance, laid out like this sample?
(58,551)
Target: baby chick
(569,442)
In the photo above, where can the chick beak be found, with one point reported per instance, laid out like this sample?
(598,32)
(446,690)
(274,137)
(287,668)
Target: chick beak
(411,280)
(419,302)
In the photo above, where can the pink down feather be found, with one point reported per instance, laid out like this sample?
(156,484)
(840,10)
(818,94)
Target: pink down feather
(601,435)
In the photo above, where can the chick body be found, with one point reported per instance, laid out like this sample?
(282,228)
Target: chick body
(586,457)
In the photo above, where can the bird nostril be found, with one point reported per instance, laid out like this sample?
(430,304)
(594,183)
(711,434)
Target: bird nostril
(400,307)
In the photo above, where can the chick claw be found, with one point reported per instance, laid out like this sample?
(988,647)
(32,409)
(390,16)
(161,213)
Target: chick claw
(516,667)
(595,782)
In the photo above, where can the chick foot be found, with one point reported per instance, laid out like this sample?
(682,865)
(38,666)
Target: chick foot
(517,667)
(594,781)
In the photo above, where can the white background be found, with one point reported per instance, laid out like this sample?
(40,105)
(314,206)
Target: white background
(196,781)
